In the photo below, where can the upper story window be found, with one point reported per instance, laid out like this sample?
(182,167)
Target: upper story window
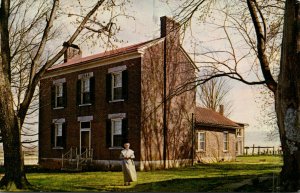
(59,93)
(116,84)
(85,89)
(201,141)
(226,141)
(116,91)
(238,132)
(58,133)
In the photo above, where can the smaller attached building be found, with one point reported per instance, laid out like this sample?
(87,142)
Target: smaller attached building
(217,137)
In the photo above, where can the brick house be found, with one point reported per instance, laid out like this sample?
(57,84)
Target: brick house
(217,137)
(90,106)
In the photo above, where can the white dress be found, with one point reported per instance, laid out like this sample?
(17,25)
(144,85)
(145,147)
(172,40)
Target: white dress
(128,166)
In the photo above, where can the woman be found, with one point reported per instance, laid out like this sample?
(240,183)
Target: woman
(128,166)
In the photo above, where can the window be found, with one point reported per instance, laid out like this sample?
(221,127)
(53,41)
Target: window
(85,89)
(58,133)
(201,141)
(238,132)
(116,130)
(116,86)
(116,133)
(226,141)
(86,125)
(59,93)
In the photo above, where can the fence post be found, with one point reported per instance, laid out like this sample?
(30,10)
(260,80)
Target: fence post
(253,150)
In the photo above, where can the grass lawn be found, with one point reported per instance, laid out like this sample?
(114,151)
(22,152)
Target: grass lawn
(201,177)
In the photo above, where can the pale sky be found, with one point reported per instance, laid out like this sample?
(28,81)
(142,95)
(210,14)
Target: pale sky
(146,26)
(245,110)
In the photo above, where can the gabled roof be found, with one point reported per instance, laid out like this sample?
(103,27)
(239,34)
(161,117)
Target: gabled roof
(208,117)
(105,55)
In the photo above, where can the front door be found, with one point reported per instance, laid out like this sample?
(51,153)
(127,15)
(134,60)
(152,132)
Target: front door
(85,137)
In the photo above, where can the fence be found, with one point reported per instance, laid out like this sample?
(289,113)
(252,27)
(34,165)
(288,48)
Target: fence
(262,150)
(30,158)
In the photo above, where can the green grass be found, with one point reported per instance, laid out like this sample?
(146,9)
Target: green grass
(201,177)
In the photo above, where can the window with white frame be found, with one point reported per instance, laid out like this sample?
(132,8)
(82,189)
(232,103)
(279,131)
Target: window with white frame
(226,140)
(116,133)
(116,86)
(85,91)
(58,135)
(238,132)
(201,141)
(85,125)
(59,95)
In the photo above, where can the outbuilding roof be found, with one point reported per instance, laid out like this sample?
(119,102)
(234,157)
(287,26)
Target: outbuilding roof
(208,117)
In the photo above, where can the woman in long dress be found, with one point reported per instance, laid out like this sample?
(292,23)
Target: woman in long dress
(128,166)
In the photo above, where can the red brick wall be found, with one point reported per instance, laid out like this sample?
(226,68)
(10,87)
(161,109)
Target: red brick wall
(99,111)
(180,106)
(214,150)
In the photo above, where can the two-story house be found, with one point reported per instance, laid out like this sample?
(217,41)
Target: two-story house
(90,106)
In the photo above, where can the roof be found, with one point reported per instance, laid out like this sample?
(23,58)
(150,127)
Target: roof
(208,117)
(102,55)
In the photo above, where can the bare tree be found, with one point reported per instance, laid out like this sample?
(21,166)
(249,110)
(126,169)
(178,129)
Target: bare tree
(28,30)
(286,87)
(214,93)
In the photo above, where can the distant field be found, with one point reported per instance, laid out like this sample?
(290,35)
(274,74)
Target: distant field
(30,158)
(199,178)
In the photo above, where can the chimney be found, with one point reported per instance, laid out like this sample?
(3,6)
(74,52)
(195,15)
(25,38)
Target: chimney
(170,28)
(72,52)
(221,109)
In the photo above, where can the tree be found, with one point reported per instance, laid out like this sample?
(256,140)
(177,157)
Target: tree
(213,93)
(286,88)
(26,28)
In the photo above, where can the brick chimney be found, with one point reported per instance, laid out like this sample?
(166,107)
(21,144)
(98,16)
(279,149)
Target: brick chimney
(169,28)
(72,52)
(221,110)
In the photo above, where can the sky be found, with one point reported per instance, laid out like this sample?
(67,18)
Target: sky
(146,26)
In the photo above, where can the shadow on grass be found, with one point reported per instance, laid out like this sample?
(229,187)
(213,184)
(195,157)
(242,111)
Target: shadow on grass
(212,184)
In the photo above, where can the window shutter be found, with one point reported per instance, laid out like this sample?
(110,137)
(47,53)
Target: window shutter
(124,131)
(125,84)
(108,133)
(78,92)
(53,96)
(64,135)
(52,135)
(64,94)
(92,90)
(108,87)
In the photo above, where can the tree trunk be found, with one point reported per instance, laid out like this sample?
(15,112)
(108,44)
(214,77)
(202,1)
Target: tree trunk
(288,98)
(11,135)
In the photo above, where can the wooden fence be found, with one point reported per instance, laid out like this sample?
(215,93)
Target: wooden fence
(262,150)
